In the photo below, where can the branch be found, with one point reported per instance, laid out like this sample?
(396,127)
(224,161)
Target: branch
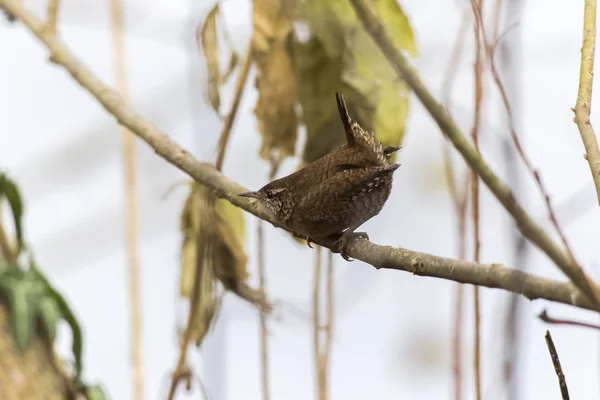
(583,105)
(491,276)
(448,126)
(557,368)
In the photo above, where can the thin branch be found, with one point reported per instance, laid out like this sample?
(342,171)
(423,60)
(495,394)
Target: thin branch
(555,321)
(556,362)
(448,126)
(237,97)
(52,15)
(326,350)
(388,257)
(583,106)
(264,344)
(131,206)
(321,395)
(478,101)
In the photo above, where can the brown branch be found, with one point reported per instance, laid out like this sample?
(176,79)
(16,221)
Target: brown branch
(556,362)
(488,275)
(131,206)
(583,106)
(555,321)
(478,101)
(526,224)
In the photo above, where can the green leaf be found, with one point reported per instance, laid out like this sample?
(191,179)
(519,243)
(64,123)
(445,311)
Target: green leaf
(22,294)
(49,315)
(67,314)
(95,392)
(10,190)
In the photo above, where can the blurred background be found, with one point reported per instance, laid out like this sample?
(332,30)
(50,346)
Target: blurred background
(392,334)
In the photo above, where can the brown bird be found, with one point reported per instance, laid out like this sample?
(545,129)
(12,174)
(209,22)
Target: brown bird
(334,195)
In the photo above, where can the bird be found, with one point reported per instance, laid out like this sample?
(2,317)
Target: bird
(334,195)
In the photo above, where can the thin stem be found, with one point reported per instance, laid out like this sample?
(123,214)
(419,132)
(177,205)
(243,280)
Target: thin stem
(264,344)
(52,15)
(583,106)
(564,391)
(316,327)
(326,354)
(237,97)
(478,100)
(555,321)
(131,207)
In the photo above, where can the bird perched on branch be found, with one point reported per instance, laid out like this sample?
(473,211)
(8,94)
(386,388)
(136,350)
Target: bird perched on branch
(334,195)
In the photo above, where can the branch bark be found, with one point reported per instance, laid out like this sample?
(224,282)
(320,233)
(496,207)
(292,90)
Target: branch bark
(583,106)
(491,275)
(450,129)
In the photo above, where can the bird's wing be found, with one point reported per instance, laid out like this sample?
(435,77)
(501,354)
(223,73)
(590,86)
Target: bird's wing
(334,195)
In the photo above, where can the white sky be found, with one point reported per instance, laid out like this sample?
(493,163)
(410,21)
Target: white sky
(64,151)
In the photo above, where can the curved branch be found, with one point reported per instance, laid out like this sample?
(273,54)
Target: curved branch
(526,224)
(491,276)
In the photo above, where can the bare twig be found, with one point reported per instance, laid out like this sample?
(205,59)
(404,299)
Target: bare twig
(326,349)
(556,362)
(237,97)
(131,207)
(388,257)
(264,344)
(525,222)
(555,321)
(52,15)
(583,106)
(478,101)
(322,395)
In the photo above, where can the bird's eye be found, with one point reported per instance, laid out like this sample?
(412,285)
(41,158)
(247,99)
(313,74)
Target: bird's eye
(269,195)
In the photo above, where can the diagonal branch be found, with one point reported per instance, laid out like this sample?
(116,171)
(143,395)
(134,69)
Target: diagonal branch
(583,106)
(492,275)
(450,129)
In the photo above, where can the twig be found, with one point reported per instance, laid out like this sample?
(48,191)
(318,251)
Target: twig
(555,321)
(525,222)
(459,203)
(556,362)
(237,97)
(52,15)
(326,351)
(316,325)
(388,257)
(583,106)
(264,343)
(478,101)
(131,207)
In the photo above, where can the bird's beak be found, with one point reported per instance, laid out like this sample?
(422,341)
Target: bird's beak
(253,195)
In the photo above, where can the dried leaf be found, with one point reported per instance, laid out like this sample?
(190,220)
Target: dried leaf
(207,36)
(275,108)
(376,98)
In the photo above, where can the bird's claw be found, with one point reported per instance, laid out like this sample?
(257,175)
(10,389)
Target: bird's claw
(342,242)
(308,241)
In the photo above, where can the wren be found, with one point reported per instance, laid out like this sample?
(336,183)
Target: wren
(334,195)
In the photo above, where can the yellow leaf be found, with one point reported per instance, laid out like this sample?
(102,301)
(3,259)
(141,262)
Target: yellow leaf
(275,108)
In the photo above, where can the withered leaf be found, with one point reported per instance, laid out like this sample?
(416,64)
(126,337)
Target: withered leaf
(275,108)
(207,36)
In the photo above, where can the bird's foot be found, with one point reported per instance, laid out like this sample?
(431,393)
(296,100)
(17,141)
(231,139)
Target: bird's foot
(342,242)
(308,241)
